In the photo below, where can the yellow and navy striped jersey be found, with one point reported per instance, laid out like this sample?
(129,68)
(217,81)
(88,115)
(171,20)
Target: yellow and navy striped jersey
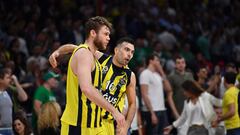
(115,80)
(79,109)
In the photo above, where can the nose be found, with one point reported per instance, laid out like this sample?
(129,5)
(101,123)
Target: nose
(129,55)
(108,38)
(16,127)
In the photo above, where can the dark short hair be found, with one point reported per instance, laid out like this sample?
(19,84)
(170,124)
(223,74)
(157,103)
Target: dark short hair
(125,39)
(178,57)
(3,71)
(151,57)
(230,65)
(230,77)
(95,23)
(192,87)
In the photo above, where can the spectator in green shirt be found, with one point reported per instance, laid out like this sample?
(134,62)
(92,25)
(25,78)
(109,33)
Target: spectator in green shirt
(44,94)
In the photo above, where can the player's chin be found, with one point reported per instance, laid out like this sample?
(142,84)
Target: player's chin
(104,48)
(126,63)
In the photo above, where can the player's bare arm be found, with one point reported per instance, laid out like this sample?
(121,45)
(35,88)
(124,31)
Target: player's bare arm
(168,90)
(22,95)
(82,65)
(37,106)
(66,49)
(169,93)
(144,93)
(131,96)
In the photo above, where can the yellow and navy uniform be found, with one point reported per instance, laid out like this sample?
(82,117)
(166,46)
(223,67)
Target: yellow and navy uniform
(115,80)
(80,113)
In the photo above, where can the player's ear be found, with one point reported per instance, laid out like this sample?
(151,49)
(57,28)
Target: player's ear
(116,49)
(93,33)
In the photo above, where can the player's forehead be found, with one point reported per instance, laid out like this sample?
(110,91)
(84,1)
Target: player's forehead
(127,45)
(180,60)
(104,29)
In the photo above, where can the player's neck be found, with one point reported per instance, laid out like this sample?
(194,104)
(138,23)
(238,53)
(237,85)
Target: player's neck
(194,99)
(181,72)
(2,88)
(47,86)
(201,81)
(229,86)
(116,63)
(91,45)
(151,68)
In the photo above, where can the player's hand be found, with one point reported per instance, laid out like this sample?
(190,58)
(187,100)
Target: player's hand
(154,118)
(214,123)
(167,130)
(27,85)
(14,79)
(120,119)
(52,59)
(122,130)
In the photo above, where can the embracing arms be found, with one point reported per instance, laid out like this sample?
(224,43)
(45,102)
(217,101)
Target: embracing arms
(82,66)
(66,49)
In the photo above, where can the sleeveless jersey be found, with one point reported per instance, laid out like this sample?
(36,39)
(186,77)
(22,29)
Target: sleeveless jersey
(115,81)
(79,109)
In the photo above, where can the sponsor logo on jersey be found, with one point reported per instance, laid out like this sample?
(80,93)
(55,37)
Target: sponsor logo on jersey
(111,99)
(105,69)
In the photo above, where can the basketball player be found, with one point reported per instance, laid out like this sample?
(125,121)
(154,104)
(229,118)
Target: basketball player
(82,115)
(118,80)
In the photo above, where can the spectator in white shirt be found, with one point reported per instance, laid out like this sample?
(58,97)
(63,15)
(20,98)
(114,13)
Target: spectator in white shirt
(198,112)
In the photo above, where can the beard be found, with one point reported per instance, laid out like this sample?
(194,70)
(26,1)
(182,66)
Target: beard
(98,43)
(122,61)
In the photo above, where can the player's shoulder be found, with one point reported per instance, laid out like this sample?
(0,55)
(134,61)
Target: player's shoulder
(104,57)
(83,51)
